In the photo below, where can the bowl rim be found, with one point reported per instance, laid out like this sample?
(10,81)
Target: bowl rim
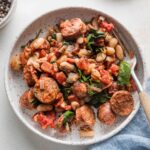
(13,4)
(53,139)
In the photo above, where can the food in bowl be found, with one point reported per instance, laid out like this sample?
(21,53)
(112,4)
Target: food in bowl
(75,71)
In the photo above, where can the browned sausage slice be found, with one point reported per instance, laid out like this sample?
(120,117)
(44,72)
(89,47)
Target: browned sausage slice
(85,114)
(122,103)
(26,99)
(105,114)
(46,90)
(72,28)
(79,89)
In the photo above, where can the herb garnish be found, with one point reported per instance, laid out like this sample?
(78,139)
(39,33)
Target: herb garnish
(67,116)
(66,91)
(99,98)
(83,77)
(53,36)
(124,73)
(35,102)
(91,38)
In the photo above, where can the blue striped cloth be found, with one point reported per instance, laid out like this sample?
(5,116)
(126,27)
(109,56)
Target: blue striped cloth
(136,136)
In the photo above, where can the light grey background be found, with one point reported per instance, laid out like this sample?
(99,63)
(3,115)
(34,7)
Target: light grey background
(134,14)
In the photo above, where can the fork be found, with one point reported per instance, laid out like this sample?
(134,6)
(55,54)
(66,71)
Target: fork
(144,97)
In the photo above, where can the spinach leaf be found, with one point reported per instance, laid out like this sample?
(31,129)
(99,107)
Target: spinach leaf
(53,36)
(35,102)
(83,77)
(66,91)
(91,45)
(99,98)
(67,116)
(124,73)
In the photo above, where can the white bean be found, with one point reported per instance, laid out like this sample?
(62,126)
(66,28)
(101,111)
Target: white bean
(59,37)
(113,42)
(119,52)
(43,107)
(100,57)
(75,105)
(83,52)
(110,50)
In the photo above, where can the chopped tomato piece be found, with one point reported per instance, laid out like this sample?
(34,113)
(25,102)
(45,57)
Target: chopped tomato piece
(46,67)
(114,69)
(57,54)
(105,77)
(45,120)
(61,78)
(49,68)
(107,26)
(70,60)
(42,53)
(83,63)
(62,105)
(72,97)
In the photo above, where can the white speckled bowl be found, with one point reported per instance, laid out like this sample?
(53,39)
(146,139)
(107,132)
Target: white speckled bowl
(15,86)
(8,17)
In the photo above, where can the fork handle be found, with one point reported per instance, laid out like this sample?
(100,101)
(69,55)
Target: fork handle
(145,101)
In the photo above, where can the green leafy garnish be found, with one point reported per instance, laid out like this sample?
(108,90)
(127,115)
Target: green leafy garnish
(83,77)
(67,116)
(91,45)
(53,36)
(124,73)
(91,92)
(99,98)
(52,62)
(66,91)
(35,102)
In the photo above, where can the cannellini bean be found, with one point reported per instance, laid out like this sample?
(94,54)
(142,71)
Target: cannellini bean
(75,105)
(95,23)
(95,74)
(83,52)
(108,37)
(80,40)
(43,107)
(67,67)
(100,57)
(33,61)
(86,133)
(15,63)
(119,52)
(63,48)
(72,77)
(110,59)
(113,42)
(40,43)
(110,50)
(63,58)
(59,37)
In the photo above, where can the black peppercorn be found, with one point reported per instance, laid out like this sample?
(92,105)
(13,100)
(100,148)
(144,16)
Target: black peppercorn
(4,8)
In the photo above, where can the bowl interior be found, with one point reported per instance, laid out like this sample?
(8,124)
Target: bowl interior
(15,85)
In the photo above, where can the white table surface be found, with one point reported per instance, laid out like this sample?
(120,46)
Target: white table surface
(134,14)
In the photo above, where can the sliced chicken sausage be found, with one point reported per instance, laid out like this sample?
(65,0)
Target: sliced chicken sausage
(46,90)
(85,114)
(105,114)
(122,103)
(72,28)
